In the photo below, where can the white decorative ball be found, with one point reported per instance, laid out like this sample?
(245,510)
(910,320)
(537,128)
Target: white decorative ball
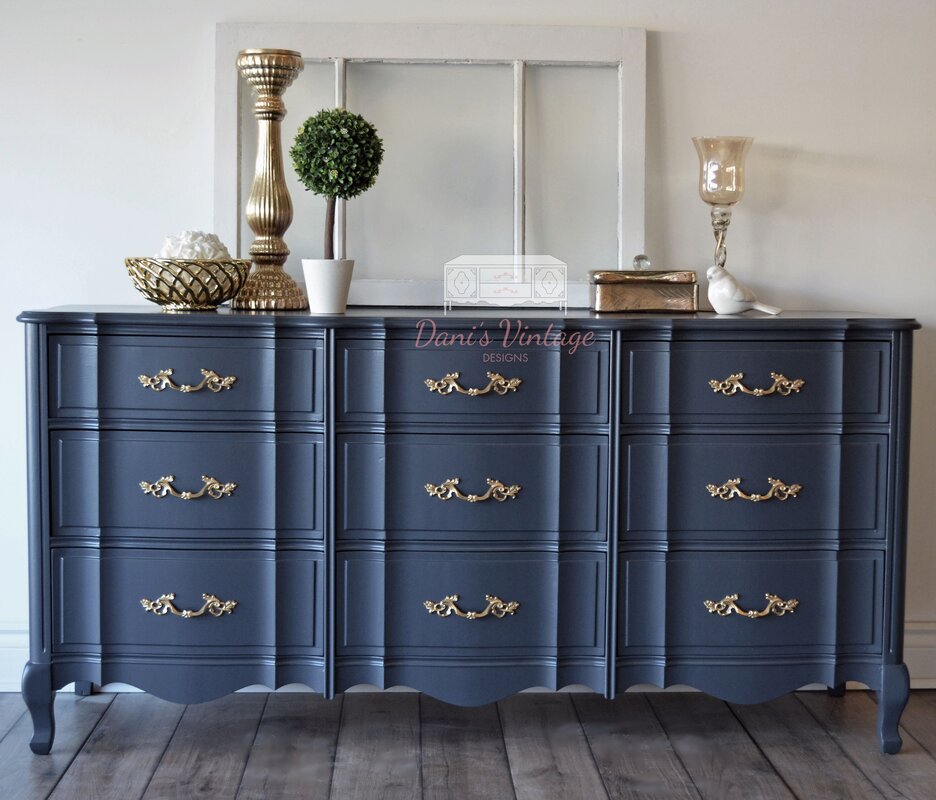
(194,244)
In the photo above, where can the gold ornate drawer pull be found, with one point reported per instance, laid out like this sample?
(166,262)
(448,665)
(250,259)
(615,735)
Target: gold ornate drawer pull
(211,381)
(162,605)
(497,383)
(728,605)
(782,385)
(495,607)
(212,487)
(496,490)
(778,491)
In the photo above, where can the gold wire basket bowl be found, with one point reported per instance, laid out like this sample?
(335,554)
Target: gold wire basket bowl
(187,284)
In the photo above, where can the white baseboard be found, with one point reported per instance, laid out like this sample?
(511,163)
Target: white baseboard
(919,653)
(14,653)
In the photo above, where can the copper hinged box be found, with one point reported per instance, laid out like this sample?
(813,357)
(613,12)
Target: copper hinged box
(644,290)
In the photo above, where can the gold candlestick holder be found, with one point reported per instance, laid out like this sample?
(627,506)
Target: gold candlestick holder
(269,210)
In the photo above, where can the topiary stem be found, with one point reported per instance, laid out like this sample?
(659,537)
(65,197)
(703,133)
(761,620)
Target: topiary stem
(330,228)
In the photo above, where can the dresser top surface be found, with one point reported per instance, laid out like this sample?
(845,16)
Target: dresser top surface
(405,317)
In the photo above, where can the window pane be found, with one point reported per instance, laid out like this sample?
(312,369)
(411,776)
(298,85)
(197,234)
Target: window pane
(572,166)
(446,184)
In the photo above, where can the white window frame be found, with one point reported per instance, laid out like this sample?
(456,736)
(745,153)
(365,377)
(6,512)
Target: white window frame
(517,45)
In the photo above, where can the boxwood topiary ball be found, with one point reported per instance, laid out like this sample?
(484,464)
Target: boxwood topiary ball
(337,153)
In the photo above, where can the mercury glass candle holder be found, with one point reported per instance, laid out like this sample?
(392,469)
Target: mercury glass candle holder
(721,181)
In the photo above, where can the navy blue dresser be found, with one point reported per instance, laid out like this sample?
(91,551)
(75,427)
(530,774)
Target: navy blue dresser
(467,505)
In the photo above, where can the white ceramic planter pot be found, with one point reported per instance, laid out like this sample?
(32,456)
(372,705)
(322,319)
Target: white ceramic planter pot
(327,282)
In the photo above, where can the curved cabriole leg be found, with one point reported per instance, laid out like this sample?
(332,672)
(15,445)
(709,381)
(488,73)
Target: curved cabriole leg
(892,697)
(837,691)
(39,697)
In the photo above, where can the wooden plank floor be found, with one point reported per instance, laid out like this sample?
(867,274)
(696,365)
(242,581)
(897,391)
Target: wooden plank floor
(530,747)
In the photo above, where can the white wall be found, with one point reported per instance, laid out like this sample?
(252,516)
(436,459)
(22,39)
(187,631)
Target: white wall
(106,146)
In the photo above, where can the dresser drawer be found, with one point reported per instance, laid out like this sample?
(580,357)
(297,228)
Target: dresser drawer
(128,377)
(551,487)
(538,383)
(839,609)
(276,484)
(559,603)
(98,596)
(841,494)
(765,382)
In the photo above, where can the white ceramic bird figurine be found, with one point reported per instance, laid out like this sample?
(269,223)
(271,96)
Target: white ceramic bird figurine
(729,296)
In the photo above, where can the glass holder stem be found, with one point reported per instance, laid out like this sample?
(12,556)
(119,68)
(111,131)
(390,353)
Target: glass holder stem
(721,219)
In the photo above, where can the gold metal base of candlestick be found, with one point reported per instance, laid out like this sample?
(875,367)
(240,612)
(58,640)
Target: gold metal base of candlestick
(270,289)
